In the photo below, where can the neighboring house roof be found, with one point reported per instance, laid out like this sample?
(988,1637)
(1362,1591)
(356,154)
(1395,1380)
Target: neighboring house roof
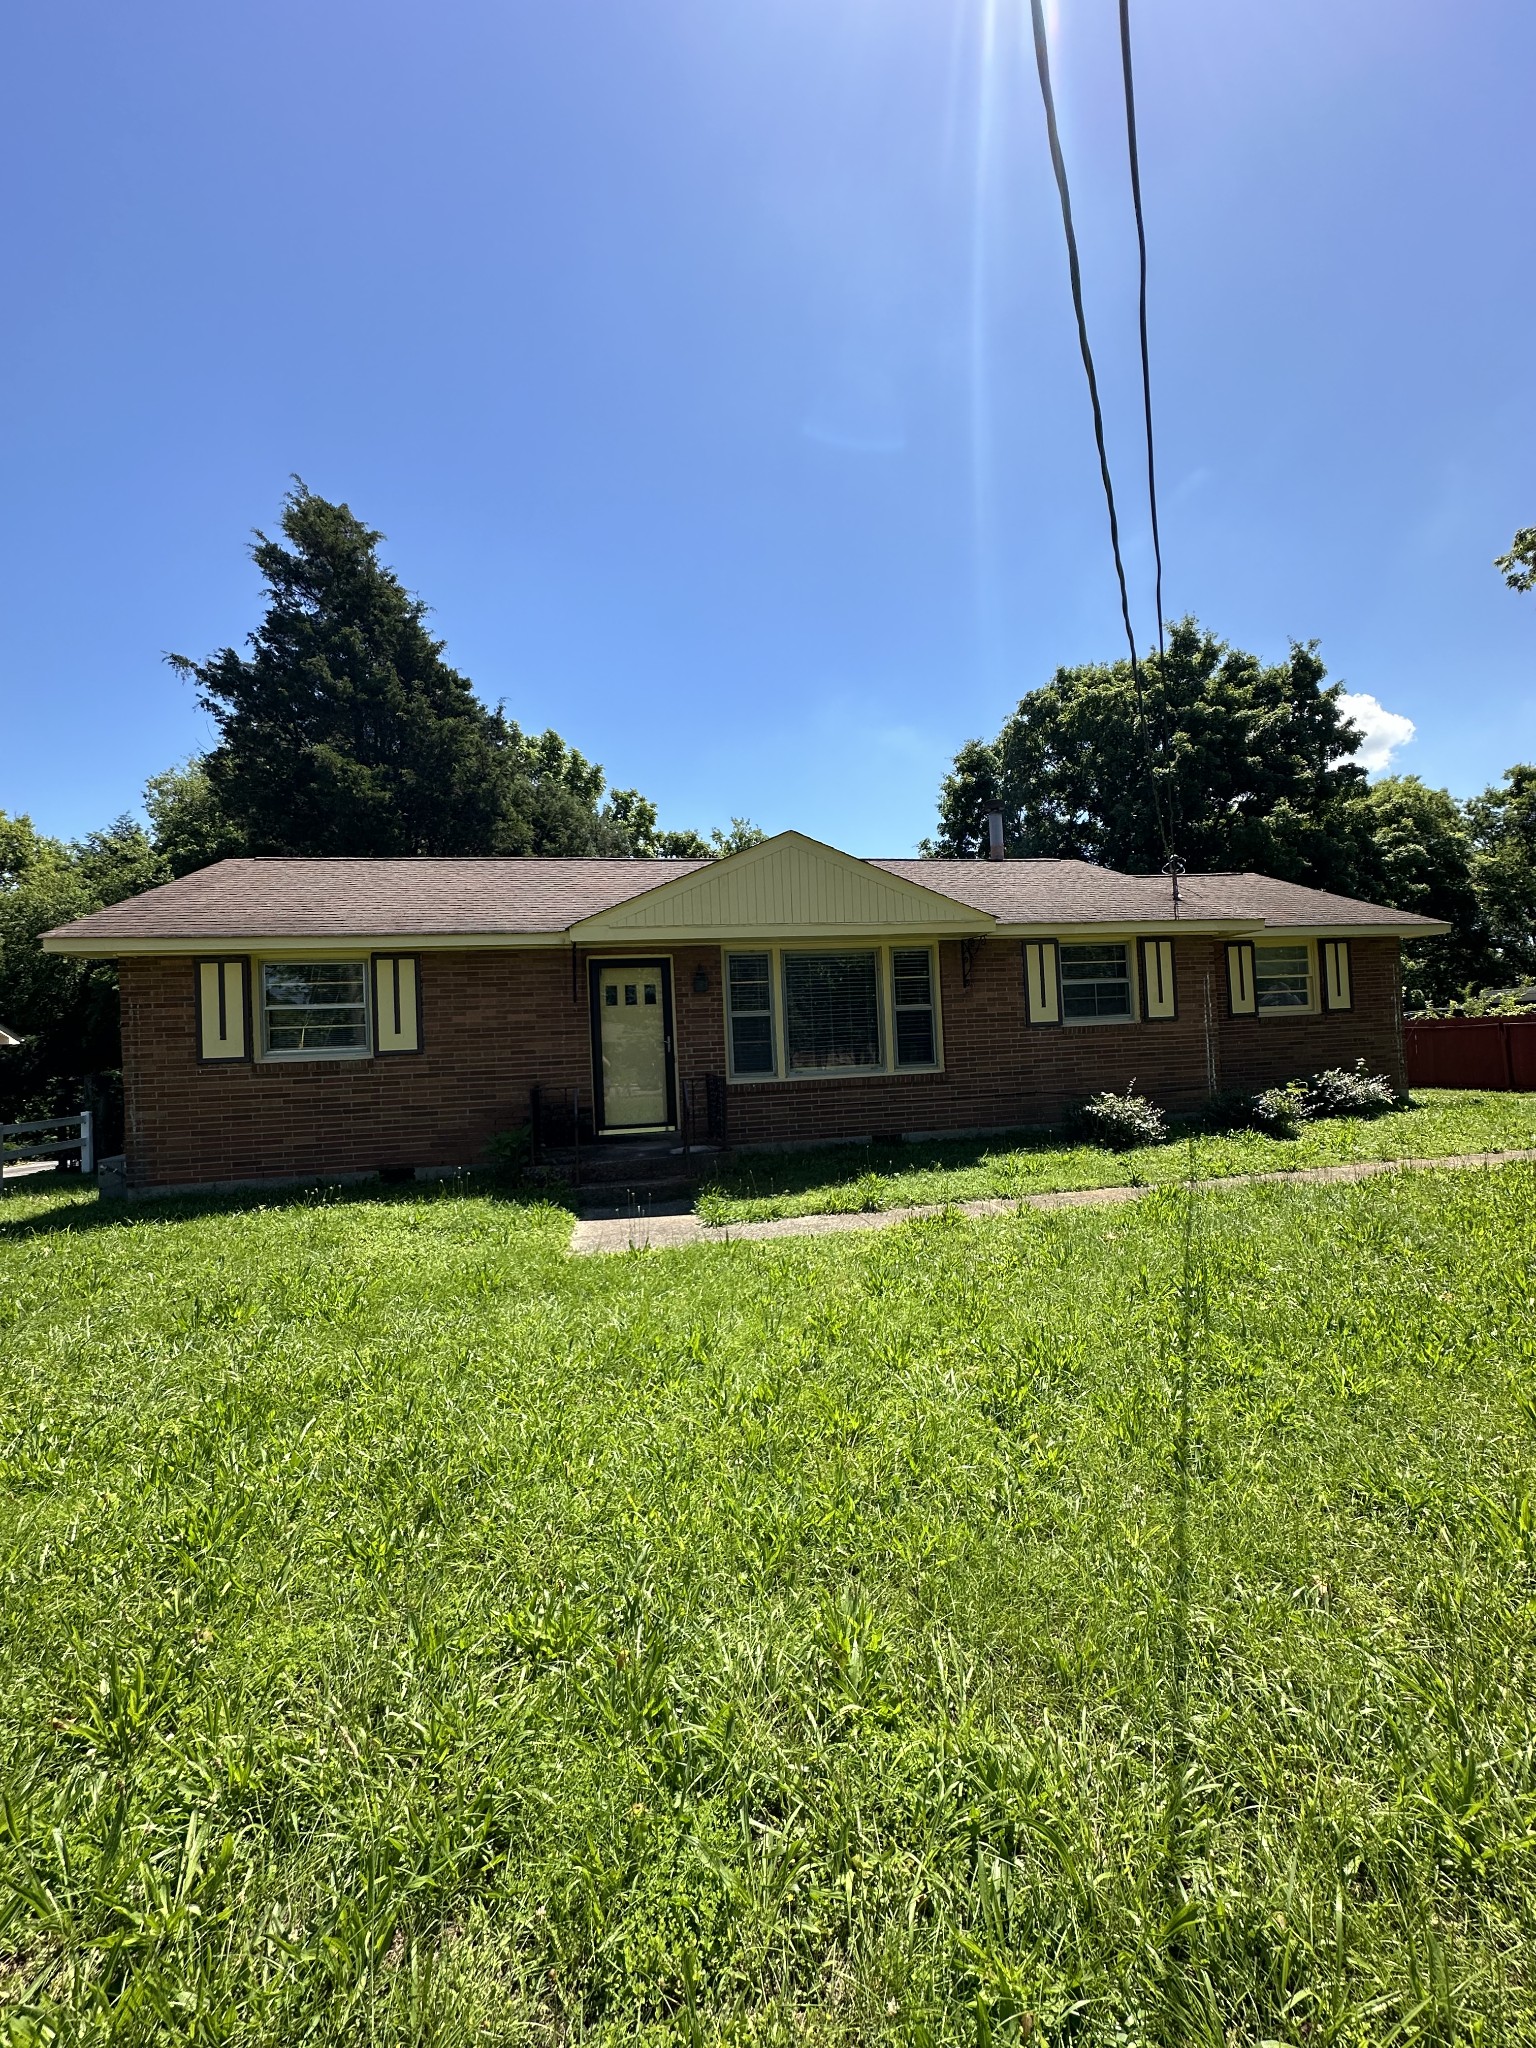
(784,885)
(7,1037)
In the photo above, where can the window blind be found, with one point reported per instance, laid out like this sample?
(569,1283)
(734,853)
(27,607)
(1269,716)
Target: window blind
(750,990)
(831,1010)
(912,990)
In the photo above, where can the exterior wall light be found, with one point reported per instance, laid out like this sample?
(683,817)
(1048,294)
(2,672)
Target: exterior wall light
(701,981)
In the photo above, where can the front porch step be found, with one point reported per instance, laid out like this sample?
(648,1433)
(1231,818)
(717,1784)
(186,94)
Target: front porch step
(633,1164)
(654,1197)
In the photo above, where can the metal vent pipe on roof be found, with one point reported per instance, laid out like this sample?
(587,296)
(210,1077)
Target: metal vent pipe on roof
(995,848)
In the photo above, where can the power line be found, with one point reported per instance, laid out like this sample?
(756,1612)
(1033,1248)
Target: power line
(1141,248)
(1074,267)
(1172,865)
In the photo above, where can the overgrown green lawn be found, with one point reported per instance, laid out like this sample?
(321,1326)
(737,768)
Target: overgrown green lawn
(958,1634)
(892,1176)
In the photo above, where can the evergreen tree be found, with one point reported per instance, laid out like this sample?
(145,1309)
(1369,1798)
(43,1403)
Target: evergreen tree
(344,731)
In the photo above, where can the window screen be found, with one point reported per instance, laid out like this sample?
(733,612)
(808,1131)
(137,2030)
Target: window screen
(912,988)
(314,1006)
(1095,981)
(831,1011)
(751,1001)
(1282,977)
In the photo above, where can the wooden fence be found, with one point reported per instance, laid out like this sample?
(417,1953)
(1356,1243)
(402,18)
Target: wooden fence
(1471,1052)
(64,1134)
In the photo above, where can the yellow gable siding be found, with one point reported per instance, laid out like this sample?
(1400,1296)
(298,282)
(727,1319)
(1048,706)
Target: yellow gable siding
(790,885)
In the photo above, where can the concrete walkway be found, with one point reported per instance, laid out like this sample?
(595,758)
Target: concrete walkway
(668,1233)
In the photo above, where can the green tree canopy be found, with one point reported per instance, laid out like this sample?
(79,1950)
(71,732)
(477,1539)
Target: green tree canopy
(1424,859)
(1519,565)
(64,1010)
(344,731)
(1248,763)
(1503,827)
(189,828)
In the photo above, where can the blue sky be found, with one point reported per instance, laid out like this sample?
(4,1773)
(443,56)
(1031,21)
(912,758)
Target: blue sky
(709,365)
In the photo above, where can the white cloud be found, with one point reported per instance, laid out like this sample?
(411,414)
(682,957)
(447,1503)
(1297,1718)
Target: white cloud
(1385,731)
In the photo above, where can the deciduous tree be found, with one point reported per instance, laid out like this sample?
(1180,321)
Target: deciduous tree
(1234,762)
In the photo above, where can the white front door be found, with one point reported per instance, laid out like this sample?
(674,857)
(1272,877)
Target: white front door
(632,1040)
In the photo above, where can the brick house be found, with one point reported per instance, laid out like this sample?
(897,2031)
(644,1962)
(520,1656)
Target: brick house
(286,1018)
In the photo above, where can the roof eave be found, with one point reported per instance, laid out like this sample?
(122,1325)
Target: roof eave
(1419,928)
(206,943)
(1166,927)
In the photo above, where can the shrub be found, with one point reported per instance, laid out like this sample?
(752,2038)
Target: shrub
(1121,1121)
(510,1153)
(1281,1111)
(1342,1091)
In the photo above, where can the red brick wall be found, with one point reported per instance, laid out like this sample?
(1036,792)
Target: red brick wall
(494,1023)
(1000,1070)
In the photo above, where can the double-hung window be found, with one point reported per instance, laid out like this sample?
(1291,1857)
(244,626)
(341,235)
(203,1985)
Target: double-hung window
(1095,983)
(314,1008)
(750,988)
(912,1006)
(1282,977)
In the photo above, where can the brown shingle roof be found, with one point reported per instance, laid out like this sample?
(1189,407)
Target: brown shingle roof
(324,899)
(1076,892)
(237,900)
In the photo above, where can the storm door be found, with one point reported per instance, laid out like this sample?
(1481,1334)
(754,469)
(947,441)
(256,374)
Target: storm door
(632,1045)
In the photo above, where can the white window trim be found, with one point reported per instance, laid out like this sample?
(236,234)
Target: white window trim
(305,1056)
(1314,1006)
(884,950)
(1133,977)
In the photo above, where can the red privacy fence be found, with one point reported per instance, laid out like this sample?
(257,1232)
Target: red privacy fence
(1471,1052)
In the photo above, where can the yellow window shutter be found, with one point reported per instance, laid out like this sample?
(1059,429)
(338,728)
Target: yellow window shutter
(1159,998)
(223,1010)
(1042,985)
(1242,1000)
(1337,993)
(396,1003)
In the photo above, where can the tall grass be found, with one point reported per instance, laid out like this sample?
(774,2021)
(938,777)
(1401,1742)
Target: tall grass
(1066,1628)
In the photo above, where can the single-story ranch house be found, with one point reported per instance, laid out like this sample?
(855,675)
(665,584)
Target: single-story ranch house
(288,1018)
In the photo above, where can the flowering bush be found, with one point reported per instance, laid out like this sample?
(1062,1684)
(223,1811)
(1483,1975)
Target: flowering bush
(1281,1111)
(1342,1091)
(1121,1121)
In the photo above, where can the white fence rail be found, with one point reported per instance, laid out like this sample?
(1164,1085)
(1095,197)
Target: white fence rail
(83,1142)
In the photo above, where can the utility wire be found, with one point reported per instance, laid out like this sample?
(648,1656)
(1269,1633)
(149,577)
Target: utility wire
(1058,164)
(1146,399)
(1141,249)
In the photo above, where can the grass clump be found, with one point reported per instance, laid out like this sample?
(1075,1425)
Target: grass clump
(416,1636)
(1435,1122)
